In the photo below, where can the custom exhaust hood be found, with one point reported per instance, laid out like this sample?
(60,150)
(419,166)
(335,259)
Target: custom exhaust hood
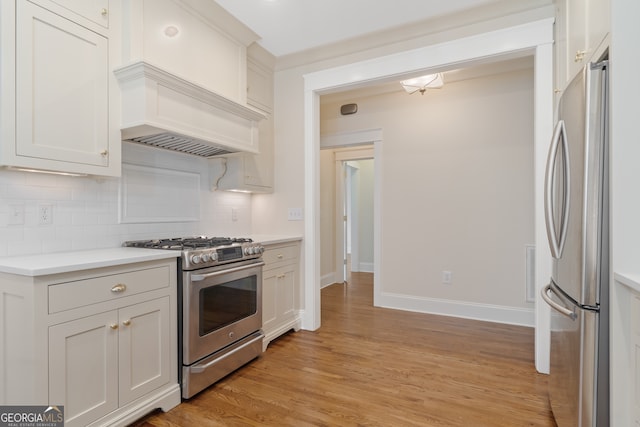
(163,110)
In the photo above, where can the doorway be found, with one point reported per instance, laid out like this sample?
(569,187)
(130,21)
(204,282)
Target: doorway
(354,215)
(527,39)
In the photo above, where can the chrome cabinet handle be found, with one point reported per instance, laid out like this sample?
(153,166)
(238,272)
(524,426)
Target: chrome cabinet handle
(563,310)
(201,277)
(197,369)
(119,288)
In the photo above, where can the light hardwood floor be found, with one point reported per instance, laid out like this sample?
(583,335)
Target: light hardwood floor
(370,366)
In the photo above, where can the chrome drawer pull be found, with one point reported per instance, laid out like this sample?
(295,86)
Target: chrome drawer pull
(119,288)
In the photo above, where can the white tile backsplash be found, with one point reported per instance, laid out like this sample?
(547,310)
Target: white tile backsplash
(85,209)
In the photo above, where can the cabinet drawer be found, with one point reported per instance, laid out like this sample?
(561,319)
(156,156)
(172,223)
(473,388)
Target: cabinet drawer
(279,254)
(69,295)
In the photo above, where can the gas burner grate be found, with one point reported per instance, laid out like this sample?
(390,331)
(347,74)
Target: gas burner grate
(182,243)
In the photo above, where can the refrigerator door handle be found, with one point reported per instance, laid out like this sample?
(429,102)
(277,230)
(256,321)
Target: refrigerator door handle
(556,243)
(563,310)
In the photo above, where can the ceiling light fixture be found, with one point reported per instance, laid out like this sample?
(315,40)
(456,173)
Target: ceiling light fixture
(421,84)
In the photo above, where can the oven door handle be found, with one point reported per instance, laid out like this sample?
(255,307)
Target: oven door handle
(201,277)
(201,368)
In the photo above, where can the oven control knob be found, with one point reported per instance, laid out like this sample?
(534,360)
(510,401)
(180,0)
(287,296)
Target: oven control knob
(195,259)
(259,249)
(214,256)
(206,257)
(248,250)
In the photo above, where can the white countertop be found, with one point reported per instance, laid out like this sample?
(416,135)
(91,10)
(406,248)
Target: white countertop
(267,239)
(65,262)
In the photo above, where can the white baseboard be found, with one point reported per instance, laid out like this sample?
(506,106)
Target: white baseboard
(467,310)
(365,267)
(327,279)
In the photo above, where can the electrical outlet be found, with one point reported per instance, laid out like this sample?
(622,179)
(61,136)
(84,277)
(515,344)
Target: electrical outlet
(447,277)
(45,214)
(234,214)
(295,214)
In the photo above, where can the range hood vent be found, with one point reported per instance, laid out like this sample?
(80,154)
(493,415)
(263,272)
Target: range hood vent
(180,143)
(166,111)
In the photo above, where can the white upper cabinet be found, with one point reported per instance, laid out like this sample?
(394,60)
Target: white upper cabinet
(253,172)
(62,78)
(60,98)
(581,28)
(259,86)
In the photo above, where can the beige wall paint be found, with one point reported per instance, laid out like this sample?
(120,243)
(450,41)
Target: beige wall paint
(458,186)
(327,217)
(269,211)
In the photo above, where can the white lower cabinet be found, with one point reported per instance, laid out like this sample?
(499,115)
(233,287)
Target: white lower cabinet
(104,340)
(101,362)
(280,290)
(83,367)
(144,349)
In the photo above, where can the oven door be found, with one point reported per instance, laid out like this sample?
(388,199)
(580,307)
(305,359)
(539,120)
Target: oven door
(221,305)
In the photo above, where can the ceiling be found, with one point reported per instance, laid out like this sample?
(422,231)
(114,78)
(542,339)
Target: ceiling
(290,26)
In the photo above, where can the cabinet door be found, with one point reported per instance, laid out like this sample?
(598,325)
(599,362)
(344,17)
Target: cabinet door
(576,36)
(587,22)
(83,367)
(62,96)
(278,296)
(144,340)
(269,299)
(259,87)
(598,23)
(286,291)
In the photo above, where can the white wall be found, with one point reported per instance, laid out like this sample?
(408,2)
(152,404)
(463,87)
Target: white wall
(364,195)
(457,188)
(85,210)
(625,207)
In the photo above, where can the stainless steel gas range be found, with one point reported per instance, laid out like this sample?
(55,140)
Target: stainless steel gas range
(219,306)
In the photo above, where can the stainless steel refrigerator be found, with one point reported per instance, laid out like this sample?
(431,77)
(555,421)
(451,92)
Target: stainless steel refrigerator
(576,213)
